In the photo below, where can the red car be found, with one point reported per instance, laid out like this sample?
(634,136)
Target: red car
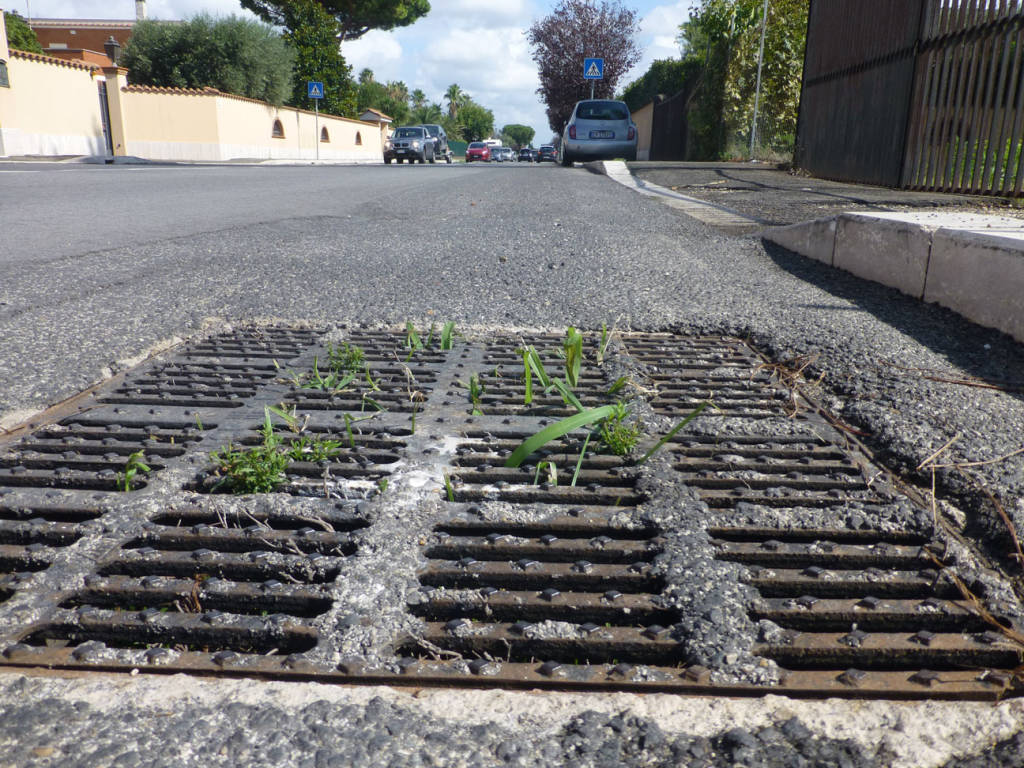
(477,150)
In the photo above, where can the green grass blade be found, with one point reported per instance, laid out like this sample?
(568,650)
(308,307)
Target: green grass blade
(348,431)
(448,489)
(619,384)
(693,414)
(527,378)
(573,356)
(412,339)
(538,367)
(567,394)
(579,461)
(446,335)
(555,431)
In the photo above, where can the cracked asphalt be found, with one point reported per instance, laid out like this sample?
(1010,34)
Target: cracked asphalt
(102,265)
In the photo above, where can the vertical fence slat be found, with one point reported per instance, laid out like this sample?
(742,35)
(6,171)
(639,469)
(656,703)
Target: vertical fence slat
(983,108)
(994,112)
(950,72)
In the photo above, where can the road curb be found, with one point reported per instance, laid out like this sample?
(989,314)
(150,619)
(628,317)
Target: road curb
(972,264)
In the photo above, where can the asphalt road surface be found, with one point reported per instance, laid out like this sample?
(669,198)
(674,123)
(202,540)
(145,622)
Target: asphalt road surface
(100,264)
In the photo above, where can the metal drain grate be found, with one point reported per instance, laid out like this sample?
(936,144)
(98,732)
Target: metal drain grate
(526,578)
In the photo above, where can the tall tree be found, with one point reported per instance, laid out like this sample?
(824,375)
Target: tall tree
(20,35)
(234,55)
(455,97)
(476,122)
(313,34)
(518,136)
(355,17)
(724,37)
(575,30)
(418,99)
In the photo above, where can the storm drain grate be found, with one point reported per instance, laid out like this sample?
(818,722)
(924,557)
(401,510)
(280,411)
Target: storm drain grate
(555,573)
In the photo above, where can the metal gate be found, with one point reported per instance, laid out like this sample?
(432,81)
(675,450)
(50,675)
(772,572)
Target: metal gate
(669,127)
(925,94)
(105,118)
(968,117)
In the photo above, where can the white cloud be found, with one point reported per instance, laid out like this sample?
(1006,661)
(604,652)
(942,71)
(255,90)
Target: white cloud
(658,31)
(380,51)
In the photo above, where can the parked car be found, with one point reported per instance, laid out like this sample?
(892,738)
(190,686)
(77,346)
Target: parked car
(546,152)
(510,155)
(412,143)
(599,129)
(478,151)
(526,155)
(440,138)
(497,154)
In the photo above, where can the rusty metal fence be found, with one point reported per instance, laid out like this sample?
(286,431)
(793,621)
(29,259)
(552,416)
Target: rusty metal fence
(923,94)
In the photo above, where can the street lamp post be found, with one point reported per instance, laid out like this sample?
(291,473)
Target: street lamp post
(757,90)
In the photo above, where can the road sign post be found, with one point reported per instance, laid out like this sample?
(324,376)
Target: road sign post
(593,69)
(315,91)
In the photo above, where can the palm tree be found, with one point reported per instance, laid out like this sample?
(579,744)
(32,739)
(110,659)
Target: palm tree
(457,98)
(419,99)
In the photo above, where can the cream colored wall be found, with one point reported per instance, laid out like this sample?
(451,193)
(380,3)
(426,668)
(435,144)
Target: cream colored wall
(50,109)
(644,119)
(246,129)
(171,126)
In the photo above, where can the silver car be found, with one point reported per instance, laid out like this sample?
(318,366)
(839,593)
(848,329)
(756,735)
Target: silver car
(599,129)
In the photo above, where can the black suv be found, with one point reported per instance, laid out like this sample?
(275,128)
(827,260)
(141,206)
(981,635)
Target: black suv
(440,141)
(547,152)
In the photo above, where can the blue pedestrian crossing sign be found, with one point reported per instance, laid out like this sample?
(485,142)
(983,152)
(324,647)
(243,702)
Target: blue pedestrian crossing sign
(315,90)
(593,69)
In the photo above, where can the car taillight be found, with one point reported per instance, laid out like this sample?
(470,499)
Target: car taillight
(572,131)
(632,133)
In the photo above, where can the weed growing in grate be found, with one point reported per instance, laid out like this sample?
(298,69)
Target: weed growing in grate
(476,391)
(134,465)
(552,472)
(617,436)
(345,359)
(259,469)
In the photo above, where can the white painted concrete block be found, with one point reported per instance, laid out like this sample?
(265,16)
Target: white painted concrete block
(891,249)
(815,239)
(979,273)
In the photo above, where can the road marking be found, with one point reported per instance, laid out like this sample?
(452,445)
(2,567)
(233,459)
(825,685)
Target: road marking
(702,210)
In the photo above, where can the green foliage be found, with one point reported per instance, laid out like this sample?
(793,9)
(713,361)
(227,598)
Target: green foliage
(19,34)
(134,465)
(456,98)
(619,437)
(345,359)
(574,31)
(312,34)
(233,55)
(391,98)
(476,123)
(259,469)
(723,36)
(664,77)
(354,17)
(518,136)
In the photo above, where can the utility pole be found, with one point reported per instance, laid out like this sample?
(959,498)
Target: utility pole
(757,91)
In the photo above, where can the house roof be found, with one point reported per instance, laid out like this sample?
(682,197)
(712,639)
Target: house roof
(375,116)
(52,60)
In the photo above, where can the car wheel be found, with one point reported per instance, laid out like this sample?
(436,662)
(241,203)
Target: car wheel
(432,158)
(387,161)
(448,158)
(566,161)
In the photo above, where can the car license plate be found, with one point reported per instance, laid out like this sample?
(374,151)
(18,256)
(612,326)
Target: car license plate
(602,134)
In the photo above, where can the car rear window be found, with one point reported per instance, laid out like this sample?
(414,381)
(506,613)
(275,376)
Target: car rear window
(602,110)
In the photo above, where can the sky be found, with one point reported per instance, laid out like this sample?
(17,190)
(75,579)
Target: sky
(479,44)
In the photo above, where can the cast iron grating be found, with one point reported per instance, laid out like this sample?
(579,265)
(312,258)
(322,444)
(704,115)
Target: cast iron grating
(358,461)
(198,581)
(89,452)
(522,593)
(530,580)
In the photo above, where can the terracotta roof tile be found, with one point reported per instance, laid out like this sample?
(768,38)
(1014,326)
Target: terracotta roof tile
(52,60)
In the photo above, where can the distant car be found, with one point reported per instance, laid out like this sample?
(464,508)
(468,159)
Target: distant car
(536,155)
(411,143)
(546,152)
(478,151)
(441,150)
(526,155)
(599,129)
(498,154)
